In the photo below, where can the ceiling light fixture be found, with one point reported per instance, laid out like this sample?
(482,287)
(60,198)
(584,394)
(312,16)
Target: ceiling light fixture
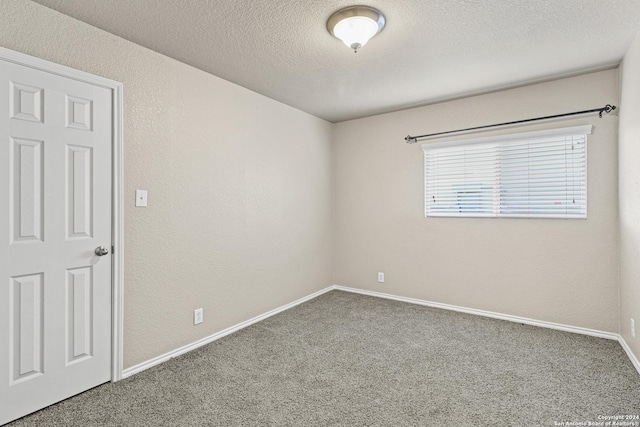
(355,25)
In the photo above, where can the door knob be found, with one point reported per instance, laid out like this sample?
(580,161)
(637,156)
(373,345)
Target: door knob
(101,251)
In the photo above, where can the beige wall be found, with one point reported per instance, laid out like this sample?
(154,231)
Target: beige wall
(629,187)
(554,270)
(241,199)
(240,186)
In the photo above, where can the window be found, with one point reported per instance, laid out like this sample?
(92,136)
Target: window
(533,175)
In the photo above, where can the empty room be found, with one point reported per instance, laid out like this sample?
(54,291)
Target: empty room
(319,213)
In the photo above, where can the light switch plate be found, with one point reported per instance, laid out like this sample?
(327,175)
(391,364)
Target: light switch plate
(141,198)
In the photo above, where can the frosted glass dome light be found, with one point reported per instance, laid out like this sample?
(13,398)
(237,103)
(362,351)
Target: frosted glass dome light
(355,25)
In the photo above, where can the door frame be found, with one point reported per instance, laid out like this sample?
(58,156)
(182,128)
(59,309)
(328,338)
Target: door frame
(117,185)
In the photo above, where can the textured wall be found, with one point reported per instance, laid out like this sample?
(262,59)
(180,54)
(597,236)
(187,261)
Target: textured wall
(555,270)
(629,164)
(240,188)
(458,47)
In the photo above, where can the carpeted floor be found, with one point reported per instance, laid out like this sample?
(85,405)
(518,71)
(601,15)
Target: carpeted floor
(353,360)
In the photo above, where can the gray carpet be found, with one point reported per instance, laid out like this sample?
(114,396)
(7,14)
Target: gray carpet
(353,360)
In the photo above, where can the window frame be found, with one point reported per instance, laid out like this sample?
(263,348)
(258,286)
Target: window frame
(505,140)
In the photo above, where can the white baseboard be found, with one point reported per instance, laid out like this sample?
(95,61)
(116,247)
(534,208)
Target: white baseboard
(550,325)
(189,347)
(632,357)
(508,317)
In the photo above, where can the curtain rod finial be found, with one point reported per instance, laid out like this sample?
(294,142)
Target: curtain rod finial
(607,109)
(410,139)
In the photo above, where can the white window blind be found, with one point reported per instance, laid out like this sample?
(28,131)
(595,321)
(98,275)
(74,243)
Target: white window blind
(536,175)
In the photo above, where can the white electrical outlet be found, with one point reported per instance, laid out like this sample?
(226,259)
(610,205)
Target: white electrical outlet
(633,328)
(197,316)
(380,277)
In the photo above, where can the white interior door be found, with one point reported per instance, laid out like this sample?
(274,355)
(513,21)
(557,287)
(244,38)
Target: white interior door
(55,210)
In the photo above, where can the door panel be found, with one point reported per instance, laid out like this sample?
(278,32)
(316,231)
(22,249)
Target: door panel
(55,209)
(79,314)
(25,185)
(79,191)
(26,330)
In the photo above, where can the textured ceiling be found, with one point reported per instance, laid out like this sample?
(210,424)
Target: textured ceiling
(430,50)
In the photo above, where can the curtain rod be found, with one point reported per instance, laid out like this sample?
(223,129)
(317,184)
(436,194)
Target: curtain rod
(606,109)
